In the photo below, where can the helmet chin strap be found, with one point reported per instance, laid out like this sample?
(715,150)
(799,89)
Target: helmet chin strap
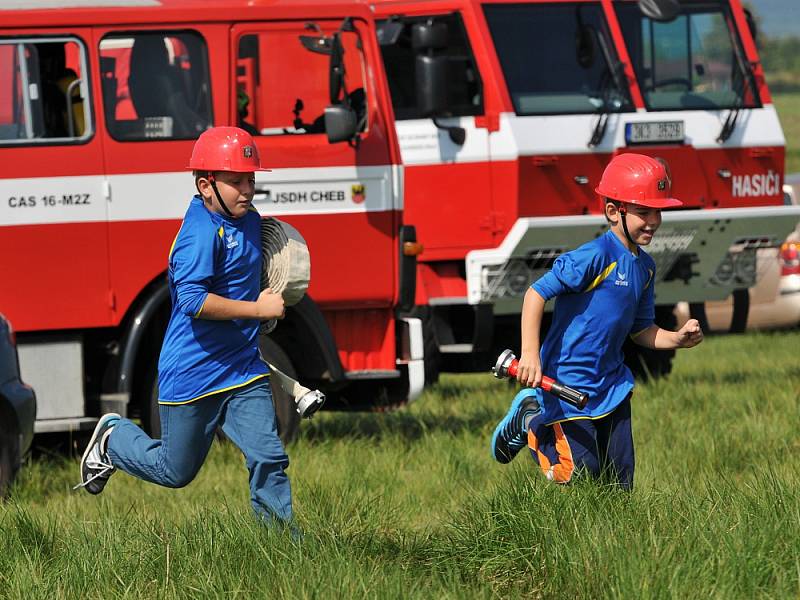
(227,210)
(623,213)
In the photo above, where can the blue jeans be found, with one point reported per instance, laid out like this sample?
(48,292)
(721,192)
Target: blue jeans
(247,417)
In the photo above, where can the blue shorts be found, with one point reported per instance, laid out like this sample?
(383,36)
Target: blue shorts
(599,447)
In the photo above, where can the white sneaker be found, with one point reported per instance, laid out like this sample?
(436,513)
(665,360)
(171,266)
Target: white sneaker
(96,466)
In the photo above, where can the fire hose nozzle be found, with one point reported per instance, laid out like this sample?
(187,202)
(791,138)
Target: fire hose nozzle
(306,401)
(504,362)
(309,403)
(506,366)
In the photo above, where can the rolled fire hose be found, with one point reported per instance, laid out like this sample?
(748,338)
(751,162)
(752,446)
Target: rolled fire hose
(287,265)
(286,270)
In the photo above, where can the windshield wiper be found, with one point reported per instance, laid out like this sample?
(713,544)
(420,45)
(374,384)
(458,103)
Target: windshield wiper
(602,119)
(611,80)
(746,75)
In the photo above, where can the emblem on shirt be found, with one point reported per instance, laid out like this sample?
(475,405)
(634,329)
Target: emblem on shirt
(621,279)
(230,242)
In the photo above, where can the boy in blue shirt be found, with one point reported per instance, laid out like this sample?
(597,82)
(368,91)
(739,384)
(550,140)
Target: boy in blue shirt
(210,372)
(604,292)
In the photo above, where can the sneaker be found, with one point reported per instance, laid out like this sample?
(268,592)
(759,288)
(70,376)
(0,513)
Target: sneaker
(511,435)
(96,466)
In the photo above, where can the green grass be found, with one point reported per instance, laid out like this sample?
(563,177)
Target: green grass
(408,505)
(788,107)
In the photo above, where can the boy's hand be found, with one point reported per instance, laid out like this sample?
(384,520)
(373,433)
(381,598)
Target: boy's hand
(690,334)
(529,369)
(270,306)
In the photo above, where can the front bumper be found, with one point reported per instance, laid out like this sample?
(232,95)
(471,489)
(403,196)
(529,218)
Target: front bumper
(700,254)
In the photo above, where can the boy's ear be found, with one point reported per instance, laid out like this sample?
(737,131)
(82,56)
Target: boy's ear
(611,211)
(203,186)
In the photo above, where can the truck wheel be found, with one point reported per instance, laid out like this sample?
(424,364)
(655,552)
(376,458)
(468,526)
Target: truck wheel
(285,410)
(7,468)
(741,309)
(151,420)
(644,362)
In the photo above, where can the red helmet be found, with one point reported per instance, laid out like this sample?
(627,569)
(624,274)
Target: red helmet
(637,179)
(225,149)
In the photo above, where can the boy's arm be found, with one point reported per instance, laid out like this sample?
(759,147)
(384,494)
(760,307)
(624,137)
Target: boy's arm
(219,308)
(529,371)
(656,338)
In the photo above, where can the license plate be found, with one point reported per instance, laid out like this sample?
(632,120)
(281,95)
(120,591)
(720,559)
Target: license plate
(654,132)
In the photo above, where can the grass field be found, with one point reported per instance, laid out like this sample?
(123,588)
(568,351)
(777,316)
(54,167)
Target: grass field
(788,107)
(408,504)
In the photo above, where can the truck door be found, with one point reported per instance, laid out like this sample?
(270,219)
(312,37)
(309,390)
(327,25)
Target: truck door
(156,89)
(53,233)
(340,196)
(448,196)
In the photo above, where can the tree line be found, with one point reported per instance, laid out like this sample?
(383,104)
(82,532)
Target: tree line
(780,57)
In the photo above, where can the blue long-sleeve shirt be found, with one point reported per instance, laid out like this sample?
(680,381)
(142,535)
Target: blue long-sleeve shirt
(215,254)
(604,293)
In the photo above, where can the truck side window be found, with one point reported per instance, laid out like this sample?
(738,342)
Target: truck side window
(274,97)
(463,82)
(43,91)
(155,85)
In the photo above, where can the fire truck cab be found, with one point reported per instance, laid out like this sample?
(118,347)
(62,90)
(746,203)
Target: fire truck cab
(507,113)
(100,104)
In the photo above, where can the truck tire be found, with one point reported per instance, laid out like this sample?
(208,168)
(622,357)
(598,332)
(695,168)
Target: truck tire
(644,362)
(741,309)
(285,410)
(151,420)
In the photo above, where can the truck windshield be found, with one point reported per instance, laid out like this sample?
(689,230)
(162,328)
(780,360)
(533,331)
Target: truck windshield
(557,58)
(692,62)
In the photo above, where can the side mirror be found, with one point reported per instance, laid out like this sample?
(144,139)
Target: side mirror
(431,76)
(428,36)
(660,10)
(336,69)
(340,123)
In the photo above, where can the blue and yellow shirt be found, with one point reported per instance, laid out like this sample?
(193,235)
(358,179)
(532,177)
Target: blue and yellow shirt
(603,293)
(216,254)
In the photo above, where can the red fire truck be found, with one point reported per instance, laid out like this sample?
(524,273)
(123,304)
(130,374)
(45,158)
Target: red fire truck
(99,106)
(508,111)
(501,115)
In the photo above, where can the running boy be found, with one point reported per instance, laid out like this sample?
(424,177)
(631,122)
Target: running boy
(210,372)
(604,292)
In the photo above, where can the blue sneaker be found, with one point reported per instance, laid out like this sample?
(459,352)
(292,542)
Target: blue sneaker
(96,466)
(510,435)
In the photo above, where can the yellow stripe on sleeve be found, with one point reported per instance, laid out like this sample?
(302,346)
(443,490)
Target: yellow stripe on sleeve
(599,279)
(197,314)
